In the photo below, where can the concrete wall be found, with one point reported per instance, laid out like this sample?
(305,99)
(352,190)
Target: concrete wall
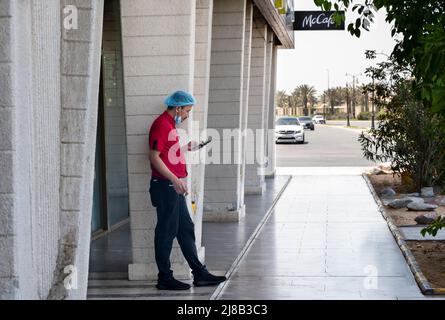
(223,181)
(254,183)
(16,266)
(80,70)
(50,83)
(45,140)
(48,128)
(158,50)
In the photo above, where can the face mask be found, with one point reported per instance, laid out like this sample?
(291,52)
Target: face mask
(178,119)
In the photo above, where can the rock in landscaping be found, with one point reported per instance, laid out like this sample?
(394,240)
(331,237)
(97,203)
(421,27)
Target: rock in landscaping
(421,206)
(442,202)
(415,199)
(385,168)
(400,203)
(374,171)
(387,192)
(426,218)
(414,194)
(427,192)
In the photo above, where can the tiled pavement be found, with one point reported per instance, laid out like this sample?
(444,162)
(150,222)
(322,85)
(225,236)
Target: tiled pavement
(325,240)
(111,254)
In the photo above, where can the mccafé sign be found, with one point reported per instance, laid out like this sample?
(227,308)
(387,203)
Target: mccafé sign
(316,20)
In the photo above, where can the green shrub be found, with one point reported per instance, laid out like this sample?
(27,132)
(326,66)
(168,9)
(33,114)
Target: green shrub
(364,116)
(381,114)
(336,116)
(410,136)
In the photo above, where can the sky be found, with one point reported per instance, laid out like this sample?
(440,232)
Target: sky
(319,53)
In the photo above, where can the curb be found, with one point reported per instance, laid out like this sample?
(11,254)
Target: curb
(420,278)
(346,128)
(234,266)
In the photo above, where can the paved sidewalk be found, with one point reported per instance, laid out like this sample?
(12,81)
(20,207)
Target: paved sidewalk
(325,239)
(111,254)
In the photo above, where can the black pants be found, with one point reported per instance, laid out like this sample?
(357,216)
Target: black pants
(173,221)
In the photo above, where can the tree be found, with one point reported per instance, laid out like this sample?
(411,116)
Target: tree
(306,94)
(421,23)
(407,136)
(338,96)
(282,99)
(312,101)
(295,99)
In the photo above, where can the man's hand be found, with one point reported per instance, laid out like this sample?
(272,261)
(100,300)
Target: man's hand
(180,186)
(193,146)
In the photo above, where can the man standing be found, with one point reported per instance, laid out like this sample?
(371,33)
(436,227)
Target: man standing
(168,190)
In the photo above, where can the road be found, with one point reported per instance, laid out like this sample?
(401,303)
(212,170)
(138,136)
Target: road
(355,123)
(325,147)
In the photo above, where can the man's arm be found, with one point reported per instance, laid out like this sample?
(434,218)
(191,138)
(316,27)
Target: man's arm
(191,146)
(160,166)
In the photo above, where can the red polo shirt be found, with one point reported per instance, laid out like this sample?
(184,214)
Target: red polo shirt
(164,138)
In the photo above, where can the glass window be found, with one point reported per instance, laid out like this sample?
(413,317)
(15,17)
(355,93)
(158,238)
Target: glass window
(287,122)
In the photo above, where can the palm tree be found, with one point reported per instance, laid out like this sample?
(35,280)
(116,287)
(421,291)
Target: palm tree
(282,99)
(313,100)
(294,100)
(307,93)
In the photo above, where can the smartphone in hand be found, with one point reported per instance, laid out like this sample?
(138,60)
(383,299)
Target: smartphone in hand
(202,144)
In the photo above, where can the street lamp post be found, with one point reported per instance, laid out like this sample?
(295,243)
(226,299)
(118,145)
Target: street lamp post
(324,106)
(353,96)
(373,93)
(354,77)
(347,106)
(329,96)
(372,105)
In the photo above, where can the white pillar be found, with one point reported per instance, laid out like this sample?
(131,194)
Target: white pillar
(271,152)
(254,182)
(223,181)
(267,97)
(246,84)
(204,13)
(158,49)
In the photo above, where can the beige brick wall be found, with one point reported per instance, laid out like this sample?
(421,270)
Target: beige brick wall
(226,99)
(254,182)
(158,52)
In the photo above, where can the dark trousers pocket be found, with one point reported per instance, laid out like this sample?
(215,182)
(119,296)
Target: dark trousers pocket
(153,197)
(155,194)
(161,190)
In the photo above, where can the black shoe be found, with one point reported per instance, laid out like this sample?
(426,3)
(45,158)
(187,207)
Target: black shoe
(172,284)
(205,278)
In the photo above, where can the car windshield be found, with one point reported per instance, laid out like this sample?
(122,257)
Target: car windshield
(288,122)
(304,119)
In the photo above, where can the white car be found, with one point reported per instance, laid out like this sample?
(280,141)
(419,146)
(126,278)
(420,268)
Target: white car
(318,119)
(289,129)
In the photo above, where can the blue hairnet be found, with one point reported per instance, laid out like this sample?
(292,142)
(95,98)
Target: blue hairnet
(180,99)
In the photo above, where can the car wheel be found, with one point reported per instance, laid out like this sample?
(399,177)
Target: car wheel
(312,129)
